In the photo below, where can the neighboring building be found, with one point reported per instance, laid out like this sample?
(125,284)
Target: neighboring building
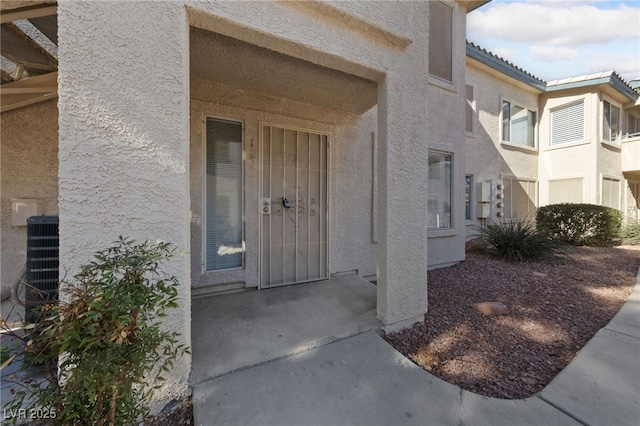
(532,143)
(280,142)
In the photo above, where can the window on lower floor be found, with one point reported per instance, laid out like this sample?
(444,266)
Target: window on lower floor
(468,196)
(518,124)
(610,122)
(565,191)
(567,123)
(439,199)
(611,192)
(519,198)
(224,222)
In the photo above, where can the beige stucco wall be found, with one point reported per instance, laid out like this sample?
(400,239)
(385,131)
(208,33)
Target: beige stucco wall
(29,164)
(129,130)
(487,157)
(591,159)
(572,160)
(124,140)
(445,133)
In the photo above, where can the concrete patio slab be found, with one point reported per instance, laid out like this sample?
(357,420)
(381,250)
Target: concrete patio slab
(602,385)
(478,410)
(357,381)
(238,330)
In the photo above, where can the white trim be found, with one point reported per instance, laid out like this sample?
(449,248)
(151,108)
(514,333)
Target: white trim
(584,140)
(527,147)
(621,112)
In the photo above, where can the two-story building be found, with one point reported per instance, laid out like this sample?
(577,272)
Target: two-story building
(532,143)
(279,142)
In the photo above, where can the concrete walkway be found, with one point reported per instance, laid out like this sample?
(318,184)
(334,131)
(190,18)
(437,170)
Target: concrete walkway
(361,380)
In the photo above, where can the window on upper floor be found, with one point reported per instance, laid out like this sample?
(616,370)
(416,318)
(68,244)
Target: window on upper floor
(567,123)
(633,125)
(441,40)
(518,124)
(519,198)
(470,110)
(439,199)
(610,122)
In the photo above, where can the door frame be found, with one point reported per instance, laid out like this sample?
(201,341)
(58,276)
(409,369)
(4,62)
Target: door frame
(261,125)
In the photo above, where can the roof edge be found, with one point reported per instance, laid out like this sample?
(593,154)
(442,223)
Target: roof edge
(497,63)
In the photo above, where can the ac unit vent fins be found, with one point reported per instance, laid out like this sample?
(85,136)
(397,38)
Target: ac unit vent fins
(42,263)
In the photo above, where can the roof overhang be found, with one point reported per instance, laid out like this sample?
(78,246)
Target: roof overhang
(474,4)
(612,80)
(29,68)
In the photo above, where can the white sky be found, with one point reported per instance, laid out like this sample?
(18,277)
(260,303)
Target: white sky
(553,39)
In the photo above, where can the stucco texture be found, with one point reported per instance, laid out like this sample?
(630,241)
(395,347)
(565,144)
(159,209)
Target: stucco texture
(29,164)
(124,139)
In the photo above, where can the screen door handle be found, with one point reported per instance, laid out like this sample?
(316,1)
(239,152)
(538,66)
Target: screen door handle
(286,203)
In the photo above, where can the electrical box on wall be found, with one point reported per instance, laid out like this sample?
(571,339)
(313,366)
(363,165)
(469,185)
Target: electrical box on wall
(484,192)
(484,211)
(21,209)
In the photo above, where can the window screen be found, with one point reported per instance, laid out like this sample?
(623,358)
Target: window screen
(567,123)
(611,193)
(441,40)
(565,191)
(224,249)
(519,198)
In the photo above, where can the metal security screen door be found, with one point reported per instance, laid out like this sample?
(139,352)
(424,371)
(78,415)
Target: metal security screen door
(293,206)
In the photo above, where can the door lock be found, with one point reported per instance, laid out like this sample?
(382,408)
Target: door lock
(266,205)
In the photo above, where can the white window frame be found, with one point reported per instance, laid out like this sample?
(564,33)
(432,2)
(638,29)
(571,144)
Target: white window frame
(531,114)
(564,144)
(530,182)
(451,194)
(618,182)
(204,196)
(608,137)
(468,201)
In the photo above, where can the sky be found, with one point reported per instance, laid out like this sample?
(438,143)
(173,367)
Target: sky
(554,39)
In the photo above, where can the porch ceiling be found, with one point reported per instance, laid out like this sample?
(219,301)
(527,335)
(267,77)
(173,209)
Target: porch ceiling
(29,65)
(231,62)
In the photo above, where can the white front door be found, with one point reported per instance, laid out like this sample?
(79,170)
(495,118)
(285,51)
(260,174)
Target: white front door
(294,206)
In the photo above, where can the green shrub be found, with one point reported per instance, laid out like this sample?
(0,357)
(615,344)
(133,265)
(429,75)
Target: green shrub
(580,224)
(109,336)
(518,240)
(630,232)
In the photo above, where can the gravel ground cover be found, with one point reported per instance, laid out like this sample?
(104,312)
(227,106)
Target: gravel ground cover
(555,307)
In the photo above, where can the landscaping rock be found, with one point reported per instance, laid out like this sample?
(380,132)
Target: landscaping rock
(476,245)
(491,308)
